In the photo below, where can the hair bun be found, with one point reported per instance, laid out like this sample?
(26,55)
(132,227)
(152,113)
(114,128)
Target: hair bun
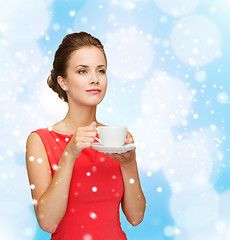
(51,80)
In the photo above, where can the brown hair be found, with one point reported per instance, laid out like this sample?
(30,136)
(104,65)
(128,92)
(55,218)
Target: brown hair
(70,43)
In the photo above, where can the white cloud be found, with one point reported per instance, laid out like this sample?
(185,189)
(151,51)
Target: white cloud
(21,64)
(224,207)
(129,54)
(25,23)
(154,143)
(191,161)
(177,8)
(194,46)
(18,217)
(15,131)
(15,201)
(127,4)
(194,210)
(200,76)
(186,161)
(53,108)
(167,99)
(21,25)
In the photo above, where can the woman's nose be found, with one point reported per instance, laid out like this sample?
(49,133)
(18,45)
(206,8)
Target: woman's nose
(93,78)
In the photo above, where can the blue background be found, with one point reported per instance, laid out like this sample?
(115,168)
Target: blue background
(182,140)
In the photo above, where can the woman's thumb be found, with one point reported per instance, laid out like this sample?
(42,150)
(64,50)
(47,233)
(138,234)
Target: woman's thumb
(93,123)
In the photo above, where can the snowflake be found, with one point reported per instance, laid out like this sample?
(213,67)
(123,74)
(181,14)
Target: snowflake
(159,189)
(93,215)
(87,237)
(131,180)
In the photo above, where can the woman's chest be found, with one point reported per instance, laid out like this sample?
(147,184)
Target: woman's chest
(96,177)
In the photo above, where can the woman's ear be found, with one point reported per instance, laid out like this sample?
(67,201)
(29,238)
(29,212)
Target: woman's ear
(62,83)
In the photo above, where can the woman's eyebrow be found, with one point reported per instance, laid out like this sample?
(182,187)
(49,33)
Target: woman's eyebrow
(81,65)
(86,66)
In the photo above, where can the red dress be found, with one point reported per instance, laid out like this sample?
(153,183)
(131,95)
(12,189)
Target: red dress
(95,193)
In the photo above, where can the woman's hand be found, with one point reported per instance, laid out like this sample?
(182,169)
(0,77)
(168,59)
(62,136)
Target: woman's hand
(133,201)
(126,158)
(82,138)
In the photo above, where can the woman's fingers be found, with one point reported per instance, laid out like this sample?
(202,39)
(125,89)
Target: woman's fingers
(90,128)
(115,156)
(83,138)
(86,139)
(86,134)
(129,140)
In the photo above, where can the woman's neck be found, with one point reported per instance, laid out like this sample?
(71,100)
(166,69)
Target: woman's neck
(76,117)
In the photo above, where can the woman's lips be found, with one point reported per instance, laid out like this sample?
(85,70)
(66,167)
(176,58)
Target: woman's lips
(94,91)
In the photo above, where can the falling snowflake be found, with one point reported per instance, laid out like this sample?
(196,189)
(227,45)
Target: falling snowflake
(222,97)
(131,180)
(87,237)
(31,158)
(54,166)
(93,215)
(94,169)
(159,189)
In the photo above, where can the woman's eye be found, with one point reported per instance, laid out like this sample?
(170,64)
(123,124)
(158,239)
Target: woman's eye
(102,71)
(82,71)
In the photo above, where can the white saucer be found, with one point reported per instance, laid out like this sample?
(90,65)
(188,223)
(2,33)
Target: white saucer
(120,149)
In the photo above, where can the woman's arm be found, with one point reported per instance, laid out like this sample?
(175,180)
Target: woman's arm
(50,195)
(133,202)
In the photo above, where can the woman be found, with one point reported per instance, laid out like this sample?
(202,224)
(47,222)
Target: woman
(77,190)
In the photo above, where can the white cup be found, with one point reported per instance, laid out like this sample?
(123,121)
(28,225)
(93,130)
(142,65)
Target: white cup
(111,136)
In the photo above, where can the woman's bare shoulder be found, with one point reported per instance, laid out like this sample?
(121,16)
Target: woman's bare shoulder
(33,137)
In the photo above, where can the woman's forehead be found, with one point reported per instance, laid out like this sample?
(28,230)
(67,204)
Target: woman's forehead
(87,55)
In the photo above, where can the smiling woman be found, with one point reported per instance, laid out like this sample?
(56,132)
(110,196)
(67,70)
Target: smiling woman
(77,190)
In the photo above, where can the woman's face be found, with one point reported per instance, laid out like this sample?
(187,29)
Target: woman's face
(86,69)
